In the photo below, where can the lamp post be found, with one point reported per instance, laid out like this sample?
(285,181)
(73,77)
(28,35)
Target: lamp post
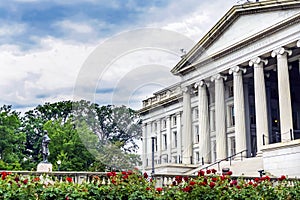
(58,164)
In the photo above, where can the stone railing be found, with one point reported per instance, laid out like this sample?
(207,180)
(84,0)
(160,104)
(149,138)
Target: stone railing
(77,177)
(168,179)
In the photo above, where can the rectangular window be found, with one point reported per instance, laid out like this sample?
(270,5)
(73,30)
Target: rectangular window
(164,124)
(196,133)
(231,116)
(196,113)
(175,139)
(197,157)
(232,145)
(165,141)
(174,119)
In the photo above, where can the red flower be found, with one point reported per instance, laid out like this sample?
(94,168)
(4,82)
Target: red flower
(186,179)
(233,182)
(203,183)
(159,189)
(208,171)
(125,177)
(145,175)
(212,184)
(187,189)
(148,188)
(238,187)
(25,181)
(109,174)
(257,180)
(124,173)
(178,179)
(250,183)
(229,173)
(113,181)
(17,179)
(192,183)
(213,171)
(214,179)
(129,172)
(282,178)
(69,179)
(222,177)
(265,178)
(67,198)
(3,175)
(201,173)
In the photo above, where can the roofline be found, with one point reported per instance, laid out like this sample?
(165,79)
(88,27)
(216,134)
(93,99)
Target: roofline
(226,21)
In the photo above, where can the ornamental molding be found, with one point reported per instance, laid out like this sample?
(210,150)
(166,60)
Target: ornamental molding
(237,69)
(281,51)
(257,61)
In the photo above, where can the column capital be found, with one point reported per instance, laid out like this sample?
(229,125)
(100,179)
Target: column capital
(281,51)
(256,61)
(185,89)
(218,77)
(236,69)
(201,83)
(298,43)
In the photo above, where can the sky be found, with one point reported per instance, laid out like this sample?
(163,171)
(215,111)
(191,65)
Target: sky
(108,52)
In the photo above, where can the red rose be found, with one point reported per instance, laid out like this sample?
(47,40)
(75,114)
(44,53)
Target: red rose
(145,175)
(3,175)
(214,179)
(222,177)
(109,174)
(187,189)
(148,188)
(159,189)
(229,173)
(212,184)
(213,171)
(113,181)
(238,187)
(186,179)
(25,181)
(282,178)
(125,177)
(129,172)
(250,183)
(124,173)
(203,183)
(17,179)
(256,179)
(201,173)
(208,171)
(192,182)
(69,179)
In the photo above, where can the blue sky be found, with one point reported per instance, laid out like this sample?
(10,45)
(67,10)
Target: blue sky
(44,43)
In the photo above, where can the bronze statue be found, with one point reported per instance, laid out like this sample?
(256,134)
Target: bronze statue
(45,150)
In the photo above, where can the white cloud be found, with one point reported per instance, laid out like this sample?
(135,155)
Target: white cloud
(11,29)
(75,26)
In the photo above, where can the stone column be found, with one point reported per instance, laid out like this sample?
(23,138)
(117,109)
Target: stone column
(284,93)
(239,109)
(144,146)
(179,138)
(262,129)
(221,138)
(203,120)
(187,153)
(158,140)
(169,146)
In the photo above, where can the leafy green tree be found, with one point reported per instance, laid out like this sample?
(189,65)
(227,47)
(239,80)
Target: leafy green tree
(12,140)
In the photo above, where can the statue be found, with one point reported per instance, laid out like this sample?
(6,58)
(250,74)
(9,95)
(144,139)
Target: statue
(45,150)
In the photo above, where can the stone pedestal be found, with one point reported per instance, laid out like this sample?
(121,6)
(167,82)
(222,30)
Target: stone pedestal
(44,167)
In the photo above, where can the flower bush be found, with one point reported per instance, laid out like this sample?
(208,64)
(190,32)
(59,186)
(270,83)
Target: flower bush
(135,185)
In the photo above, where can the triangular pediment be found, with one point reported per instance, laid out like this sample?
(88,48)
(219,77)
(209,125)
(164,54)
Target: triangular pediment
(239,24)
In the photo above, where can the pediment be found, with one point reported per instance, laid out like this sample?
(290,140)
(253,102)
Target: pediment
(241,23)
(246,26)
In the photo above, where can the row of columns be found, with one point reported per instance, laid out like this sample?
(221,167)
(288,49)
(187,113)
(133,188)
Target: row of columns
(262,130)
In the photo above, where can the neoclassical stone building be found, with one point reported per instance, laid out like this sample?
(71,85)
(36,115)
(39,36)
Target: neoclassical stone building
(240,93)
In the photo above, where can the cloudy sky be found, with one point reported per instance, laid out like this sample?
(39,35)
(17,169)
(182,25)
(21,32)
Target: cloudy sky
(103,51)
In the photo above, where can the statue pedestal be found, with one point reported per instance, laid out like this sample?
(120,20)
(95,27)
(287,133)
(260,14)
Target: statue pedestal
(44,167)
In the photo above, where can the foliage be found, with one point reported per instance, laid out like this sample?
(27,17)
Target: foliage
(83,134)
(12,140)
(134,185)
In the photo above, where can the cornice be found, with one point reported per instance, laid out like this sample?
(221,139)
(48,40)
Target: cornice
(222,25)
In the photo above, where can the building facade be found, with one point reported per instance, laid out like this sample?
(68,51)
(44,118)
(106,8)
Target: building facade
(239,94)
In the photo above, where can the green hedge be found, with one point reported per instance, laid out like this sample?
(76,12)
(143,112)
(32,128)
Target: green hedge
(134,185)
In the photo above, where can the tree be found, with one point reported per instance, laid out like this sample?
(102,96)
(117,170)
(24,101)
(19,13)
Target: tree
(12,140)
